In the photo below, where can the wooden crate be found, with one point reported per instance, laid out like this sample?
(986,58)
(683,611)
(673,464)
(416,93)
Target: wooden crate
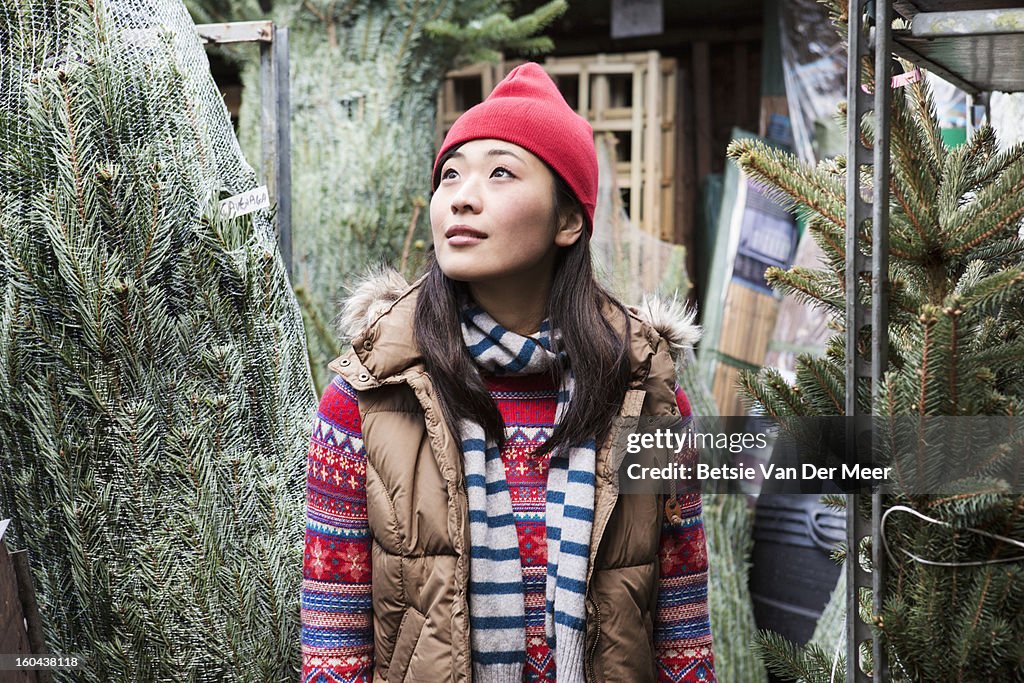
(747,323)
(632,96)
(462,89)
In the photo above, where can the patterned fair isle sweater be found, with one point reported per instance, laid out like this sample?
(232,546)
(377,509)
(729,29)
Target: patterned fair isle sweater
(337,635)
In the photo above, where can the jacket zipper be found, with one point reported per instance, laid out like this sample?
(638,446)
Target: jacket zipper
(593,648)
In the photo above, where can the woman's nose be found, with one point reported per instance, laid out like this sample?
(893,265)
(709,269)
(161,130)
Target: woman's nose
(466,197)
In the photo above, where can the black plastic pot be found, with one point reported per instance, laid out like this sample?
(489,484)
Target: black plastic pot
(792,575)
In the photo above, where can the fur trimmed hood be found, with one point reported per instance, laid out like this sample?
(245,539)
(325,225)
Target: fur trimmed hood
(368,297)
(376,291)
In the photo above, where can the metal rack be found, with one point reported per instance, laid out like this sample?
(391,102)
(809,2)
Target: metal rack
(979,47)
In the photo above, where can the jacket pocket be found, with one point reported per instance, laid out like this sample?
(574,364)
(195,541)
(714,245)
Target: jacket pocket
(405,644)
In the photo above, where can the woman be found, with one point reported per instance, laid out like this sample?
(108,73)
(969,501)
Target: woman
(464,521)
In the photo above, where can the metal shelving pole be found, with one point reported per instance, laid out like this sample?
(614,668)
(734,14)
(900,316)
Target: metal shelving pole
(869,38)
(275,113)
(963,46)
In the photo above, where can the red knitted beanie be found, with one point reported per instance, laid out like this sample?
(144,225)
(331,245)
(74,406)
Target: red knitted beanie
(527,109)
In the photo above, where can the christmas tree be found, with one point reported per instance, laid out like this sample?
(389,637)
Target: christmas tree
(365,77)
(954,590)
(155,398)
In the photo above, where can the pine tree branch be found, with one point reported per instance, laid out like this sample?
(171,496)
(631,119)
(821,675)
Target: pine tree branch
(785,659)
(73,144)
(772,393)
(915,178)
(31,286)
(966,653)
(925,122)
(999,164)
(789,183)
(832,243)
(154,226)
(497,30)
(904,306)
(960,169)
(810,286)
(825,664)
(928,322)
(953,364)
(820,374)
(999,201)
(911,214)
(953,506)
(537,45)
(1001,356)
(904,242)
(407,38)
(970,277)
(1001,252)
(992,291)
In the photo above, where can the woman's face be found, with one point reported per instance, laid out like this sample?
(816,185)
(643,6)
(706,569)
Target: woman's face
(493,215)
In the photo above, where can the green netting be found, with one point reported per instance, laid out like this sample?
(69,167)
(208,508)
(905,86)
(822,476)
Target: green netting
(155,396)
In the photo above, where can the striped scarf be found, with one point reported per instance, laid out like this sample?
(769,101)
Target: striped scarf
(496,603)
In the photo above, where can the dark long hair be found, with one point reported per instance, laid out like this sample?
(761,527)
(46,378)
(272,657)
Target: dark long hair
(597,354)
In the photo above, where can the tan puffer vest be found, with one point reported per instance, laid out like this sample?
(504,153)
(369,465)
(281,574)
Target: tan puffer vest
(417,506)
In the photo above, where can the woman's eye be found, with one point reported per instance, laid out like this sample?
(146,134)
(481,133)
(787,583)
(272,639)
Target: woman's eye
(501,172)
(448,173)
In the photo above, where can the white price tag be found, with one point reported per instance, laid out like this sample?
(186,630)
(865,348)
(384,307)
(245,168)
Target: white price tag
(245,203)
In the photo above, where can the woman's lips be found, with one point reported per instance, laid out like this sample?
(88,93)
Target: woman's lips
(463,235)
